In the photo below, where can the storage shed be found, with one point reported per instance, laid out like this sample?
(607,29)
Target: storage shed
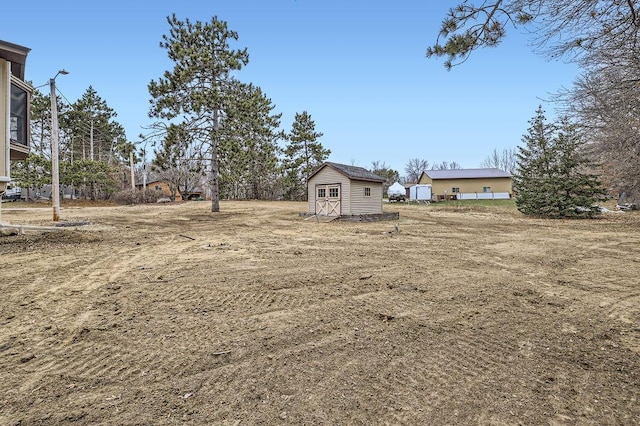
(342,190)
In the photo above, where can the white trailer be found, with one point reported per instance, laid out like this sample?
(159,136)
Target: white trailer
(420,193)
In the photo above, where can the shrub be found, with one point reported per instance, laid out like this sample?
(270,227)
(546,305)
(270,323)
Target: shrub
(135,196)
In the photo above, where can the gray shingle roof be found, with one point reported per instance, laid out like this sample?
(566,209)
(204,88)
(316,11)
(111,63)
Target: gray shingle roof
(352,172)
(467,174)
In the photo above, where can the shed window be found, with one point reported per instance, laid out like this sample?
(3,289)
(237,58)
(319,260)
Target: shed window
(322,192)
(367,192)
(486,189)
(18,116)
(333,192)
(455,189)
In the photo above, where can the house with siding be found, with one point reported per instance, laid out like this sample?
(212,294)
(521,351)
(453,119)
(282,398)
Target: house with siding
(162,186)
(466,184)
(15,95)
(341,190)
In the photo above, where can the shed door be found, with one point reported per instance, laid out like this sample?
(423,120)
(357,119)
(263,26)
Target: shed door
(328,200)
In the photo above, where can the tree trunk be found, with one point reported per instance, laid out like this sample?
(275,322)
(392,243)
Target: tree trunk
(215,201)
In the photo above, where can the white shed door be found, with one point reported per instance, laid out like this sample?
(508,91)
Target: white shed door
(328,200)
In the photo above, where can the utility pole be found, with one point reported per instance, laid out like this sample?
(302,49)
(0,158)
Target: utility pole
(55,168)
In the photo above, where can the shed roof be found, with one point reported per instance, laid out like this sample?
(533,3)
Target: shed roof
(15,54)
(467,174)
(352,172)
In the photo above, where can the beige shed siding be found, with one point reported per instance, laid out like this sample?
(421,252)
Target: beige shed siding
(439,186)
(328,176)
(365,205)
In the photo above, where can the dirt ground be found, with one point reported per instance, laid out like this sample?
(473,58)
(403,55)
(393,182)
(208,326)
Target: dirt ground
(169,314)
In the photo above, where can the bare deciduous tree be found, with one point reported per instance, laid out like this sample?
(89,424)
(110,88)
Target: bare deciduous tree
(414,169)
(444,165)
(605,102)
(504,160)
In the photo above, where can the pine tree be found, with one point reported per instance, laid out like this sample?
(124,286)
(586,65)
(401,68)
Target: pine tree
(579,187)
(90,126)
(551,178)
(196,91)
(248,146)
(41,123)
(302,155)
(531,181)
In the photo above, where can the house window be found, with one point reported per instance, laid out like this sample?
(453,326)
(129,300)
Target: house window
(367,192)
(18,116)
(455,190)
(322,192)
(486,189)
(333,192)
(158,188)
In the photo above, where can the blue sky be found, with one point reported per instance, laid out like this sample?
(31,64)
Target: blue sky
(358,67)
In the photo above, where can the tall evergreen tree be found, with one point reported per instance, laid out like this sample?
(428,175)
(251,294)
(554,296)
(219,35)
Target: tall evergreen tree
(195,91)
(91,129)
(579,186)
(303,154)
(533,176)
(551,178)
(248,148)
(41,123)
(91,136)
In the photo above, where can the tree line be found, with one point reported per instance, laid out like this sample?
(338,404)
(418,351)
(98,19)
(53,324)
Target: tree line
(93,147)
(211,130)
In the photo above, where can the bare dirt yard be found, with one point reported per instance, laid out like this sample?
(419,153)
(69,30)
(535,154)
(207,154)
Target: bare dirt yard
(166,314)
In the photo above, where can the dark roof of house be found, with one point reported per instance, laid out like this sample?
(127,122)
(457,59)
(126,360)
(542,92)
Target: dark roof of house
(15,54)
(352,172)
(467,174)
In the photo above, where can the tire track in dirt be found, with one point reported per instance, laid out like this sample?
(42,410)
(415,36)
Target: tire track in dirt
(71,350)
(317,334)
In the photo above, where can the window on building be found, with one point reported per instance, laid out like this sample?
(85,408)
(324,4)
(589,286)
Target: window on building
(333,192)
(367,192)
(18,116)
(158,188)
(455,190)
(486,189)
(322,192)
